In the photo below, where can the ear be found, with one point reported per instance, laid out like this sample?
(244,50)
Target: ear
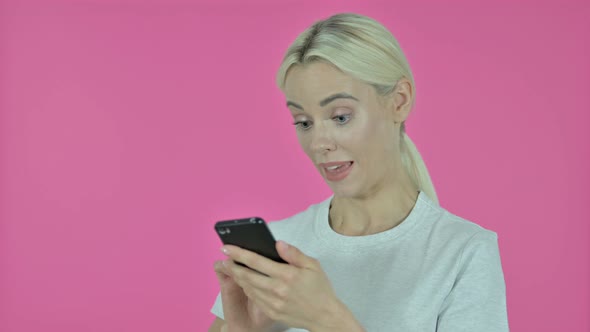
(402,99)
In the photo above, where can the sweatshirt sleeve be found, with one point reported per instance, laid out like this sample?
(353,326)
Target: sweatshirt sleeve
(477,299)
(217,308)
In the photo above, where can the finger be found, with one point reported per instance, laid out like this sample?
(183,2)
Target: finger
(219,267)
(226,280)
(255,261)
(249,278)
(294,256)
(220,270)
(266,292)
(241,274)
(269,304)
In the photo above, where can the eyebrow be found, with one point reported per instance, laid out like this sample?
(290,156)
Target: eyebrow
(326,100)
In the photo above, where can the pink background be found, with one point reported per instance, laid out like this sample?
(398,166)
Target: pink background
(127,128)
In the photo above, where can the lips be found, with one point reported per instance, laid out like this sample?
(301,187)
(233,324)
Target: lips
(336,170)
(335,165)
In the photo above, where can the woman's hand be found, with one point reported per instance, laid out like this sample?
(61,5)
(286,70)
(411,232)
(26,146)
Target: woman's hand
(240,313)
(298,294)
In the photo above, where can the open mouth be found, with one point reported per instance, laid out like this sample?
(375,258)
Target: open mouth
(338,168)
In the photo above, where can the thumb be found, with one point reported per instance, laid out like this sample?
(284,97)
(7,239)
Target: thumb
(293,255)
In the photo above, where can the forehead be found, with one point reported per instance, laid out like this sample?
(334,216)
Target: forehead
(319,79)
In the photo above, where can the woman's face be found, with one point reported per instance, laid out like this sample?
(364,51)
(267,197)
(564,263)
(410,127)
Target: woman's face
(347,130)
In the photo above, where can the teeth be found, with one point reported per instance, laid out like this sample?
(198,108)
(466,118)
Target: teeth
(331,168)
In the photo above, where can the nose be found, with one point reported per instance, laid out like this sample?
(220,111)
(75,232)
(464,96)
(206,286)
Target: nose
(322,141)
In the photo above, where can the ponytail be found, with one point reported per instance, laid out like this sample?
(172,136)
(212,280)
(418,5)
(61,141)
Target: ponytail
(415,167)
(365,49)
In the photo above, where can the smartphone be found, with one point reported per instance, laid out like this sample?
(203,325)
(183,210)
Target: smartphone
(251,234)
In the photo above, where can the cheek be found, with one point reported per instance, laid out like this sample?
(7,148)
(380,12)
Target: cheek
(359,136)
(369,140)
(378,128)
(304,142)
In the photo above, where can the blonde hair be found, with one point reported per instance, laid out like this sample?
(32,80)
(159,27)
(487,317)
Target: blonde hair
(363,48)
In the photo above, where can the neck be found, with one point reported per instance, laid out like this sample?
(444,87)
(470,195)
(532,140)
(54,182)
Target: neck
(384,208)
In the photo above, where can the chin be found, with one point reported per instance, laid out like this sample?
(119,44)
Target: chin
(347,187)
(343,190)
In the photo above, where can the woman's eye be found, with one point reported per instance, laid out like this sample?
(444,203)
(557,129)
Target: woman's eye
(342,119)
(302,124)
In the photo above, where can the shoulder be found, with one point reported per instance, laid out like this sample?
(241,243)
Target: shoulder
(461,244)
(450,227)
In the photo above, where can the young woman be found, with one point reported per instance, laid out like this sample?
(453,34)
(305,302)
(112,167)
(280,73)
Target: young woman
(380,254)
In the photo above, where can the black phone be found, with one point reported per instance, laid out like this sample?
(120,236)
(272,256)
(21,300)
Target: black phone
(251,234)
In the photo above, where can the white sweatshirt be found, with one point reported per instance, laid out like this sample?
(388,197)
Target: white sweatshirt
(435,271)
